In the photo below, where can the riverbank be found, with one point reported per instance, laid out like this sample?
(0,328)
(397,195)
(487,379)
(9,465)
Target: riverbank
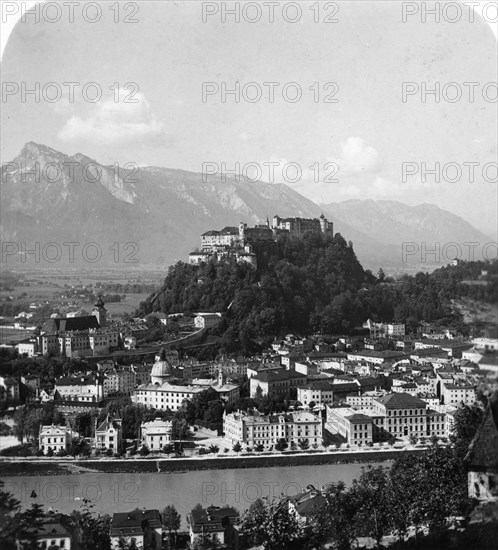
(63,466)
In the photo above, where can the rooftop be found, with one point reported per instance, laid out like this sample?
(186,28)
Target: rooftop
(400,401)
(130,523)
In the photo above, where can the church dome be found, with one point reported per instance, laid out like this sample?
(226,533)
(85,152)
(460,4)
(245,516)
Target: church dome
(161,370)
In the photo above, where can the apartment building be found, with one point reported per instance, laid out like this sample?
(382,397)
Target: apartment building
(319,392)
(258,429)
(276,383)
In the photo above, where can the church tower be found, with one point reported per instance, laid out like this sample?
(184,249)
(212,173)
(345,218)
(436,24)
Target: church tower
(100,311)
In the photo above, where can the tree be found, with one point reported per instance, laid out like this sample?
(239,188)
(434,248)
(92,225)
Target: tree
(259,448)
(20,424)
(94,529)
(168,449)
(334,520)
(171,520)
(144,451)
(29,523)
(304,444)
(281,445)
(214,449)
(123,544)
(271,524)
(79,447)
(428,488)
(237,447)
(205,541)
(9,507)
(372,493)
(312,405)
(467,421)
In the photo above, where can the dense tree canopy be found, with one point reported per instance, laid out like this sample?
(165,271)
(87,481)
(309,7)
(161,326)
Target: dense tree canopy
(316,285)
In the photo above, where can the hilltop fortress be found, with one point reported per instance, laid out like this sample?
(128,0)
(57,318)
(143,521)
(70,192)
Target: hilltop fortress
(256,245)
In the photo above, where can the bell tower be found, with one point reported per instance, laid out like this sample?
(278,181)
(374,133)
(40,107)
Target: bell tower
(100,311)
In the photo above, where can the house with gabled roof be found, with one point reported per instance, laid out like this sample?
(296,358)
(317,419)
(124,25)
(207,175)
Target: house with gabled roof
(215,524)
(108,435)
(54,533)
(306,505)
(141,527)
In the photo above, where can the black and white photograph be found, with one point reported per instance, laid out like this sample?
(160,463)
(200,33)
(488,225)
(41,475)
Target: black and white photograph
(248,275)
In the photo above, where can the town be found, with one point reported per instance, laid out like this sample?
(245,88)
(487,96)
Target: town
(308,395)
(154,392)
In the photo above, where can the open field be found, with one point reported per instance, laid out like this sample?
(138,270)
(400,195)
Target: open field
(21,288)
(117,309)
(13,335)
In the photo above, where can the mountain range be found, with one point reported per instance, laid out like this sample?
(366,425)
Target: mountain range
(48,196)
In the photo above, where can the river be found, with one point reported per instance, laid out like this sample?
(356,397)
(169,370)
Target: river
(123,492)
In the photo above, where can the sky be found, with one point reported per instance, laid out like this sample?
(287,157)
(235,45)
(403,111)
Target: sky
(152,61)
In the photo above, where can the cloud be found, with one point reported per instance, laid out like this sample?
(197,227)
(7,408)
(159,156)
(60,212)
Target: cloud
(357,158)
(128,119)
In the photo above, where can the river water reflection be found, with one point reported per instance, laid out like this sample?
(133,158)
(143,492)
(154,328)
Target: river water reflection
(123,492)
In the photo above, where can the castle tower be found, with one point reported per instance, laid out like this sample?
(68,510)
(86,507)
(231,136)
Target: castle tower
(242,231)
(221,377)
(323,223)
(100,312)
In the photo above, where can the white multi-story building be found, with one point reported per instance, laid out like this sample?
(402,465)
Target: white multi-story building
(486,345)
(321,393)
(384,329)
(162,394)
(28,347)
(363,401)
(355,426)
(276,383)
(83,389)
(453,393)
(376,357)
(258,429)
(57,438)
(403,414)
(156,434)
(119,382)
(395,415)
(436,423)
(165,396)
